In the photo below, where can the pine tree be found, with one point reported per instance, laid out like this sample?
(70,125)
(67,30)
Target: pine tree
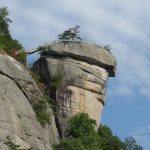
(71,34)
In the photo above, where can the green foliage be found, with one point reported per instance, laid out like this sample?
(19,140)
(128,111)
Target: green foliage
(49,100)
(4,21)
(70,144)
(56,80)
(43,50)
(22,57)
(36,77)
(7,43)
(70,34)
(108,140)
(2,46)
(130,144)
(92,142)
(5,37)
(80,135)
(80,126)
(107,47)
(41,112)
(13,146)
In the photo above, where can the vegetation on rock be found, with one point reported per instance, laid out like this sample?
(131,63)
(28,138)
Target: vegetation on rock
(71,34)
(108,140)
(13,146)
(80,126)
(130,144)
(41,112)
(56,80)
(46,102)
(36,77)
(107,47)
(22,58)
(4,21)
(7,43)
(81,135)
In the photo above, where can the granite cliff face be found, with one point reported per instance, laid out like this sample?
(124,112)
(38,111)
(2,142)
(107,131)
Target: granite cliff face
(85,70)
(18,94)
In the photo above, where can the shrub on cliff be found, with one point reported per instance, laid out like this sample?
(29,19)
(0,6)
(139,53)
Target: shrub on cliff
(108,140)
(130,144)
(71,34)
(107,47)
(13,146)
(56,80)
(40,110)
(22,58)
(80,126)
(7,43)
(4,21)
(81,135)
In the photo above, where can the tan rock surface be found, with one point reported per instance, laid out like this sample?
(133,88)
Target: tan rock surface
(86,69)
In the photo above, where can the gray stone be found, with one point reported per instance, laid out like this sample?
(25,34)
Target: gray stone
(86,69)
(18,93)
(89,53)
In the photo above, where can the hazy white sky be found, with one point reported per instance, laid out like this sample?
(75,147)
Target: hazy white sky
(124,24)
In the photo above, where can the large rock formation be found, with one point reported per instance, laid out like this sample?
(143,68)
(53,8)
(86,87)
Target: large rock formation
(18,94)
(85,68)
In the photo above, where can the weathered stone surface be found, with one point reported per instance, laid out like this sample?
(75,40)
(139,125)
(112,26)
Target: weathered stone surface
(89,53)
(18,93)
(86,69)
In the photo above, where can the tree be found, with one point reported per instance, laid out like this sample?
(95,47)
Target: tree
(70,34)
(7,43)
(130,144)
(80,126)
(70,144)
(107,47)
(108,140)
(4,21)
(81,135)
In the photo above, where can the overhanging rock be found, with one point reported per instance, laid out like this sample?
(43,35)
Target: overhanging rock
(85,68)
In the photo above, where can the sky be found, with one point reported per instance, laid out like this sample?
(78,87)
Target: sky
(124,24)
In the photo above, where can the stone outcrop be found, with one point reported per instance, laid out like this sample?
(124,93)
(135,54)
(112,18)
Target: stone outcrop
(85,69)
(18,94)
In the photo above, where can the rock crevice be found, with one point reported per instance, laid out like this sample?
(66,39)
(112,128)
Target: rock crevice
(86,68)
(18,93)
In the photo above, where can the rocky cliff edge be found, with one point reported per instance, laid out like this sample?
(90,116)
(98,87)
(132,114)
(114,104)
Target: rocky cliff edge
(18,94)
